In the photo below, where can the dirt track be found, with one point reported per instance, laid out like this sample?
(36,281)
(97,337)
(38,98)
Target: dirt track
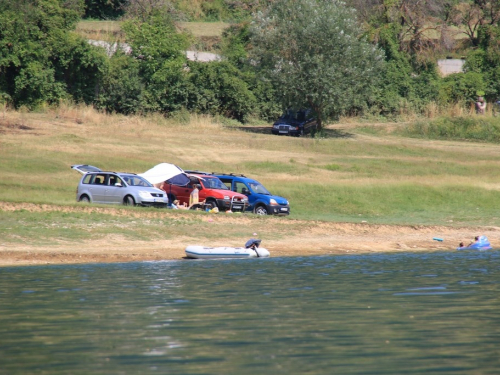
(316,238)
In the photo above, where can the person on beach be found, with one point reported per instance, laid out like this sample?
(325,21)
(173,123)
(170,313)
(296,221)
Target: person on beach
(480,105)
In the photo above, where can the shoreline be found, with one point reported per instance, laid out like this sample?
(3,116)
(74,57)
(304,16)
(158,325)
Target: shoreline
(313,238)
(324,238)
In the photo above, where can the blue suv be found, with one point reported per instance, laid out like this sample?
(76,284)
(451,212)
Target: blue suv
(261,201)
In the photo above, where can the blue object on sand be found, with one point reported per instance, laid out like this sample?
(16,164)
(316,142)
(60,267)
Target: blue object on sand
(438,239)
(481,244)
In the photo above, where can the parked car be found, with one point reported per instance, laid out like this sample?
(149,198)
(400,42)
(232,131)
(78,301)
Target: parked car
(211,191)
(261,201)
(295,123)
(99,186)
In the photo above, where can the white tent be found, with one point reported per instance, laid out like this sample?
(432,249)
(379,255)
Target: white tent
(163,172)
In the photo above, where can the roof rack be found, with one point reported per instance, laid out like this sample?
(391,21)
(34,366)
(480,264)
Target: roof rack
(197,172)
(230,174)
(212,173)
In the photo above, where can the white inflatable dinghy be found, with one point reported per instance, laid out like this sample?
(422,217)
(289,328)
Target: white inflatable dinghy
(251,250)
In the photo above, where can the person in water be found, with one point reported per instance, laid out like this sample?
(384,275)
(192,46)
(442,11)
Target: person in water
(470,244)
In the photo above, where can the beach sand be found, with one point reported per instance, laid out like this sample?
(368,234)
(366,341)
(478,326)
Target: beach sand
(315,238)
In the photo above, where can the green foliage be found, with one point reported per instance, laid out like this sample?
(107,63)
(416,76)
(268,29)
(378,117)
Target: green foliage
(235,42)
(159,52)
(40,60)
(404,82)
(486,64)
(311,52)
(156,44)
(461,87)
(218,88)
(104,9)
(217,10)
(122,87)
(267,107)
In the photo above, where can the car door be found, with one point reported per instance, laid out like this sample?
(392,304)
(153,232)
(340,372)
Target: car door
(115,189)
(98,187)
(244,189)
(184,192)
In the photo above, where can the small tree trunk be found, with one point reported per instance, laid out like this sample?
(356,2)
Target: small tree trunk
(319,117)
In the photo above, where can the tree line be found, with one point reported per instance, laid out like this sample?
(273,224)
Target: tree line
(358,57)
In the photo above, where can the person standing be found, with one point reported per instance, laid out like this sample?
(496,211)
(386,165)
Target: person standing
(480,105)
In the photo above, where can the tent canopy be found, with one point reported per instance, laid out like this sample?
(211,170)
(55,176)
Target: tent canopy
(165,171)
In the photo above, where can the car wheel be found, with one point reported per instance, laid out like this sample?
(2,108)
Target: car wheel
(129,201)
(84,199)
(260,210)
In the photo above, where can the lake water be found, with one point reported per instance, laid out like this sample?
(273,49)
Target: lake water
(405,313)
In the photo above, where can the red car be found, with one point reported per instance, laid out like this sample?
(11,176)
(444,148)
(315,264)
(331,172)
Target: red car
(212,192)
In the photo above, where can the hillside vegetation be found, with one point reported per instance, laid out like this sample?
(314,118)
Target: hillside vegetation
(391,48)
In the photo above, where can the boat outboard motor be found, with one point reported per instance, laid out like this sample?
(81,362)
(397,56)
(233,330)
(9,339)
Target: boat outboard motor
(252,243)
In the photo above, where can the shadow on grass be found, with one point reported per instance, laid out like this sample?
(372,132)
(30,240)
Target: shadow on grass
(328,133)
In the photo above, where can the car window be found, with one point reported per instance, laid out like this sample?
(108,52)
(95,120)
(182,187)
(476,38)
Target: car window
(241,187)
(99,179)
(227,182)
(113,180)
(134,180)
(259,188)
(87,178)
(214,183)
(288,115)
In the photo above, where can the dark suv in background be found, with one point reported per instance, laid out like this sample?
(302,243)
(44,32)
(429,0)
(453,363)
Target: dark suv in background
(295,123)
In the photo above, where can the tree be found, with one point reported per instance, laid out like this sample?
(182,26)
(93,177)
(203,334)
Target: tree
(472,15)
(40,59)
(311,51)
(104,9)
(159,52)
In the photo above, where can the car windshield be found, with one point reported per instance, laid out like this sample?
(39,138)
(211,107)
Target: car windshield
(134,180)
(294,115)
(259,188)
(214,183)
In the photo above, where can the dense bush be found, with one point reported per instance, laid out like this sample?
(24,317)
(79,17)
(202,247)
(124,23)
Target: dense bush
(41,61)
(122,87)
(218,88)
(486,63)
(461,87)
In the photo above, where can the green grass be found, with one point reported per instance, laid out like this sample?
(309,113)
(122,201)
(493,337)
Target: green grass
(395,204)
(478,128)
(376,177)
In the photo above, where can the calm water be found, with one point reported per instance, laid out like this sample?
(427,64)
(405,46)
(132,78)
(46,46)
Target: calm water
(375,314)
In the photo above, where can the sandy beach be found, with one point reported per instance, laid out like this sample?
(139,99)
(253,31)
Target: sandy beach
(314,239)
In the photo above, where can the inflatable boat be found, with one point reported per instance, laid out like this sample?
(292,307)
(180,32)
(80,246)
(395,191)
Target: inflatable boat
(482,243)
(251,250)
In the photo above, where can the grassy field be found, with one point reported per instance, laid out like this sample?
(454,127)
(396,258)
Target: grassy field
(205,35)
(357,174)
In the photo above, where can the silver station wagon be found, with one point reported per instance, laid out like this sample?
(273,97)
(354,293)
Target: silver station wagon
(99,186)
